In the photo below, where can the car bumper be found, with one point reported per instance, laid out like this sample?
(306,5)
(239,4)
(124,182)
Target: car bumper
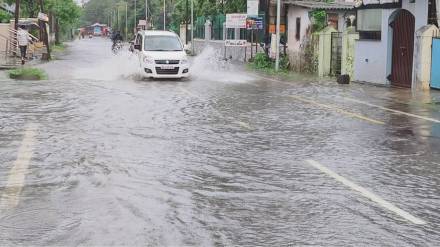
(154,71)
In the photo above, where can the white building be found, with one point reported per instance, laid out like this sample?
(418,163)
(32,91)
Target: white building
(384,54)
(300,21)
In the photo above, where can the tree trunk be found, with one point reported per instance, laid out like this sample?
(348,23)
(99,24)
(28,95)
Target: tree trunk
(17,13)
(45,34)
(57,31)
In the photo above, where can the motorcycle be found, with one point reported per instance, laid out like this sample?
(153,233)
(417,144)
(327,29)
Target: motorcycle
(117,47)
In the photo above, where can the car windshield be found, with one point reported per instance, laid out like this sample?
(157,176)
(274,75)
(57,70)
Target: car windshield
(162,43)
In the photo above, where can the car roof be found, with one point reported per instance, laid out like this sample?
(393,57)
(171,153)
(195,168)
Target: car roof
(157,33)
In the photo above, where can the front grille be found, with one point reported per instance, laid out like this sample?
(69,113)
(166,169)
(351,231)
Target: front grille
(167,61)
(160,71)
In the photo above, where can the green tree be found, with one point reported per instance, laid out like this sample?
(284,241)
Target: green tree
(66,14)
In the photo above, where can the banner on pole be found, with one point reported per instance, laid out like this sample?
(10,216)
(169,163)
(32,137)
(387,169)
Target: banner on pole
(254,23)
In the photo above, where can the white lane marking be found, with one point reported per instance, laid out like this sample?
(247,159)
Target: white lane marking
(240,123)
(17,174)
(364,192)
(394,111)
(339,110)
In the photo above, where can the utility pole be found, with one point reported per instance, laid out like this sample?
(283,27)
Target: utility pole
(186,22)
(45,34)
(192,27)
(135,16)
(164,16)
(17,14)
(277,50)
(146,14)
(126,20)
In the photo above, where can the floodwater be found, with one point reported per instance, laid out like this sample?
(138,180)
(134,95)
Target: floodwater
(94,156)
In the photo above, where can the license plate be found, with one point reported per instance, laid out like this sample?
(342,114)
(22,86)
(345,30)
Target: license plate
(167,67)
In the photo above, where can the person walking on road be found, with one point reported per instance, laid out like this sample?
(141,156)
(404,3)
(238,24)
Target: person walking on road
(23,42)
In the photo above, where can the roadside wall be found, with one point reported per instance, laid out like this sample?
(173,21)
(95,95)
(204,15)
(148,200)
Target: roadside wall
(4,34)
(242,54)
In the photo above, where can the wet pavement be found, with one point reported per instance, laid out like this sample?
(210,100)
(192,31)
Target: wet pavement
(95,156)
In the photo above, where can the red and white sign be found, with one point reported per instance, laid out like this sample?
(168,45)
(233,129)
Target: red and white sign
(236,20)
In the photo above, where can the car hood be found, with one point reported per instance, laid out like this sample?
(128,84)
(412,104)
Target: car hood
(168,55)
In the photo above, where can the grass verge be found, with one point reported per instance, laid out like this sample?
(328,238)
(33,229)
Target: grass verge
(27,74)
(58,47)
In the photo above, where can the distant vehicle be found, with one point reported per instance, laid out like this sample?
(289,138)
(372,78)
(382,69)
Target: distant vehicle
(161,55)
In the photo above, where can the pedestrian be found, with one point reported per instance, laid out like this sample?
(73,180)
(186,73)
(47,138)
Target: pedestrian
(23,42)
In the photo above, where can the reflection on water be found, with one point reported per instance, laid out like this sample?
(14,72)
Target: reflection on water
(124,162)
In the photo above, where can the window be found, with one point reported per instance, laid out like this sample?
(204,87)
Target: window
(432,12)
(369,23)
(333,20)
(162,43)
(298,28)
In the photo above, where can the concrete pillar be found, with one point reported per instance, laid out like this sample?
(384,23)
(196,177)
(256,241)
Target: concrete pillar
(422,57)
(183,32)
(237,33)
(349,37)
(325,51)
(225,31)
(208,30)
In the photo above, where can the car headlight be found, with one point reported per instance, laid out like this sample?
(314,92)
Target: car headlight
(148,60)
(184,61)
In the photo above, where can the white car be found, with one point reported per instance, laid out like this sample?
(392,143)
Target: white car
(161,55)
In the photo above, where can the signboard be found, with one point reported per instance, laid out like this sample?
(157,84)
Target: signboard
(273,28)
(254,23)
(235,42)
(252,7)
(236,20)
(43,17)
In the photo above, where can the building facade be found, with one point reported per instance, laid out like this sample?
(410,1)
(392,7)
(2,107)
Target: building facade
(385,52)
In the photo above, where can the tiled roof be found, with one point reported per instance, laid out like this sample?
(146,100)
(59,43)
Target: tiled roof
(320,5)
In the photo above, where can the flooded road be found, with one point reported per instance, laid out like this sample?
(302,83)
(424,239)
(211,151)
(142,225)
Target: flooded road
(95,156)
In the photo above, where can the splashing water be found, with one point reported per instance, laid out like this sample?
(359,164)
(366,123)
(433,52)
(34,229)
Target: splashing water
(102,65)
(210,65)
(122,65)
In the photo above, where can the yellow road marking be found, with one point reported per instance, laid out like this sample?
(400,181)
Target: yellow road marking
(364,192)
(17,174)
(244,125)
(366,103)
(394,111)
(339,110)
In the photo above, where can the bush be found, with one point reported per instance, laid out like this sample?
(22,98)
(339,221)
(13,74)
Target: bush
(27,74)
(284,62)
(262,61)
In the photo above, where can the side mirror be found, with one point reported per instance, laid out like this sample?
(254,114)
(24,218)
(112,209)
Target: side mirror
(137,47)
(187,49)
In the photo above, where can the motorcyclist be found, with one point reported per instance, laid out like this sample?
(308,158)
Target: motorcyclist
(116,37)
